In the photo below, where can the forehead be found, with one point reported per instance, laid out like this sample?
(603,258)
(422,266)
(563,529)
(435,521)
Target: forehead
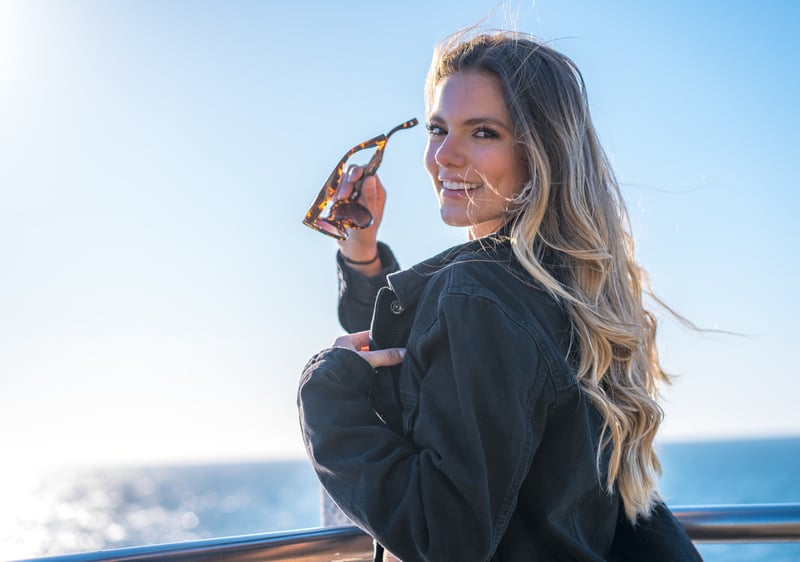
(465,92)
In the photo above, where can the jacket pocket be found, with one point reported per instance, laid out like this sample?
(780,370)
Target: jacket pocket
(410,404)
(383,397)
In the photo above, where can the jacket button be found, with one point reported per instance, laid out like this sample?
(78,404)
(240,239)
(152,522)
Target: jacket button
(396,307)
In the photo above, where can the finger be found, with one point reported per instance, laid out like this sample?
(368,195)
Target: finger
(363,242)
(349,177)
(355,341)
(344,187)
(371,188)
(373,197)
(384,357)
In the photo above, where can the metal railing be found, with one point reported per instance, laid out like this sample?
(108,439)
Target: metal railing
(741,523)
(704,524)
(314,545)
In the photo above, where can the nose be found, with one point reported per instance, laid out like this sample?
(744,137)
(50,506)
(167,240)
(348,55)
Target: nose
(449,154)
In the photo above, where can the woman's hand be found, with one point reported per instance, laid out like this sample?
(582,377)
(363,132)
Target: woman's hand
(359,342)
(362,244)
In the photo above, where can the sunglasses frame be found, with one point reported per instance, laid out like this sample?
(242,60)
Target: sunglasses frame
(343,213)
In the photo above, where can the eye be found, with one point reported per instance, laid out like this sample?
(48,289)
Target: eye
(435,130)
(486,133)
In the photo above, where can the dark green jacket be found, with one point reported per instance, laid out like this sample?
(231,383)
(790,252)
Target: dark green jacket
(481,445)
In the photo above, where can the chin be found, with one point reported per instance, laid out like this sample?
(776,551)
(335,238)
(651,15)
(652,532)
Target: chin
(454,219)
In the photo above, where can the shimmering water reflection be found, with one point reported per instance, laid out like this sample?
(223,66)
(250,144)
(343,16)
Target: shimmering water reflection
(82,510)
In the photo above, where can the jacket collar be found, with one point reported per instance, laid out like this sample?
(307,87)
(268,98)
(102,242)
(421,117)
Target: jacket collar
(408,284)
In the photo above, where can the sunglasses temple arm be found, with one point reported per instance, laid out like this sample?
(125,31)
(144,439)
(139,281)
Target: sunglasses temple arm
(407,125)
(377,158)
(369,170)
(325,194)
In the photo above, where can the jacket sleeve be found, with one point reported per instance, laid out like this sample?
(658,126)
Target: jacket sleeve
(660,538)
(357,291)
(448,490)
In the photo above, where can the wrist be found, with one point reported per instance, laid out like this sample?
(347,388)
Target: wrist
(367,261)
(359,253)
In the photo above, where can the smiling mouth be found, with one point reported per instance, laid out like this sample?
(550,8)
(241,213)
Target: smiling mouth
(460,186)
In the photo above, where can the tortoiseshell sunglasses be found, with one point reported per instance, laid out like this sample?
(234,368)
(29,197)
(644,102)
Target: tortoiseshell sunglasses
(348,213)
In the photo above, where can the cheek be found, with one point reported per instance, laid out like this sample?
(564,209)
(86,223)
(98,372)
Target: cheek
(429,160)
(521,171)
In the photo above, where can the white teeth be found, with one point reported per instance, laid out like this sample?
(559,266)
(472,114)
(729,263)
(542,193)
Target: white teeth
(459,186)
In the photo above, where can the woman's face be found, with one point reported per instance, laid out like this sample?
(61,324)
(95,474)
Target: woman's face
(471,156)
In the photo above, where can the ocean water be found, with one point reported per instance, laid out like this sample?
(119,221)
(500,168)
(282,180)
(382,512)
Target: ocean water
(92,509)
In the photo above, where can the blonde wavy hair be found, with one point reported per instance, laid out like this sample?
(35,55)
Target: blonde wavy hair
(571,217)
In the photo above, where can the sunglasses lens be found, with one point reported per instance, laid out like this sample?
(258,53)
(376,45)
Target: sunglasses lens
(330,229)
(350,214)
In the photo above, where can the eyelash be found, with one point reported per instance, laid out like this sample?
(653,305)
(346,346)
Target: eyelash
(487,132)
(480,132)
(434,130)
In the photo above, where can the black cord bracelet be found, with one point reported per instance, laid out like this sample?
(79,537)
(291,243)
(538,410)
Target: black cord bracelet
(364,262)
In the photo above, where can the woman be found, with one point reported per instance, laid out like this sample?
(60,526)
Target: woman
(507,407)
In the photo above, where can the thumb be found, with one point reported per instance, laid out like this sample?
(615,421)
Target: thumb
(384,357)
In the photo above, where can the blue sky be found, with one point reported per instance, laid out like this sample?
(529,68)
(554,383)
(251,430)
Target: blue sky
(159,295)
